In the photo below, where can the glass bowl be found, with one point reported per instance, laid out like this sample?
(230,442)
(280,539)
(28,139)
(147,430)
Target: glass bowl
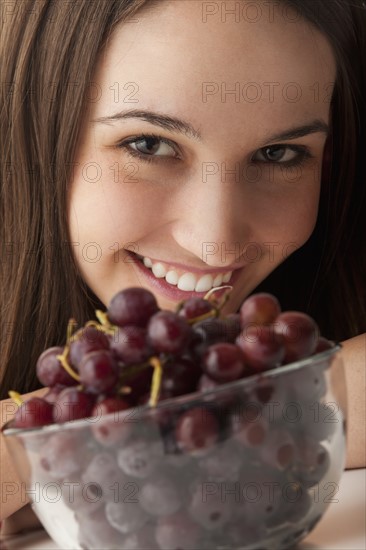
(252,464)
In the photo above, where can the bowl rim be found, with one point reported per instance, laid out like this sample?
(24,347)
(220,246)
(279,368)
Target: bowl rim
(144,411)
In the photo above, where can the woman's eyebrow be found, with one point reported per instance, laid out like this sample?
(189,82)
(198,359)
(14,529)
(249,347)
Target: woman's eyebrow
(158,119)
(312,127)
(182,127)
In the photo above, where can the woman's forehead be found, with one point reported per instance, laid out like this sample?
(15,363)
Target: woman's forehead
(179,32)
(181,56)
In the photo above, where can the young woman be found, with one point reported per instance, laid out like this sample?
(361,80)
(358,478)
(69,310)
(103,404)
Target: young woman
(212,141)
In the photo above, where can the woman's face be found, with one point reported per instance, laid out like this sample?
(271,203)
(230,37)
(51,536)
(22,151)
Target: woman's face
(239,104)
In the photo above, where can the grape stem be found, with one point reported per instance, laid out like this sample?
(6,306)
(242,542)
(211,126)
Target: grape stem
(216,307)
(179,306)
(132,369)
(70,329)
(215,312)
(64,362)
(102,328)
(156,380)
(224,298)
(16,397)
(105,324)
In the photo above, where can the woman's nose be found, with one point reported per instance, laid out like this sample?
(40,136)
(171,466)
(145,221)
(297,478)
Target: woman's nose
(213,221)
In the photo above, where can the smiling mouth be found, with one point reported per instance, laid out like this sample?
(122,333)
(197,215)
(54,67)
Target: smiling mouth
(184,279)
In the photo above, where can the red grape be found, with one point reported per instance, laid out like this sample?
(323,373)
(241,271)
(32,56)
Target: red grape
(197,430)
(231,327)
(126,516)
(177,531)
(132,306)
(261,491)
(50,371)
(113,430)
(223,363)
(33,412)
(224,464)
(103,471)
(259,309)
(319,420)
(212,331)
(195,307)
(262,348)
(53,393)
(63,454)
(140,457)
(94,530)
(140,384)
(99,371)
(71,404)
(180,377)
(307,384)
(159,496)
(84,341)
(322,345)
(299,333)
(168,333)
(130,345)
(278,450)
(208,508)
(264,390)
(249,427)
(80,496)
(312,461)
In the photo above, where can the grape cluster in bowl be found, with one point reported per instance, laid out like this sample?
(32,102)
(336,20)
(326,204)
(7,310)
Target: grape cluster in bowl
(184,430)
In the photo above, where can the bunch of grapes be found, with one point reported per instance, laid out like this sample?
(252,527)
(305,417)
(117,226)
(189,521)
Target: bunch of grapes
(138,355)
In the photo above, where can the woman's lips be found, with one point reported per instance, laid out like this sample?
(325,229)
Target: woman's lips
(172,292)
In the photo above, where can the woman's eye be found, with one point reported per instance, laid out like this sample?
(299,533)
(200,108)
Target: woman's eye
(281,154)
(148,147)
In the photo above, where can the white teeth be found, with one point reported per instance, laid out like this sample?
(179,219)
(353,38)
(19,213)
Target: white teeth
(218,280)
(159,270)
(172,278)
(187,282)
(226,278)
(204,283)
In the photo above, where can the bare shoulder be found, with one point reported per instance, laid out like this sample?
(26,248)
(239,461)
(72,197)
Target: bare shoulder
(354,357)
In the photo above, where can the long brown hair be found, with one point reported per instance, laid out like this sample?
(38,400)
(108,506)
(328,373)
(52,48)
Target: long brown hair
(326,277)
(47,62)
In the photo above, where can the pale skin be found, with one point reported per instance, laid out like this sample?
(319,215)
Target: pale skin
(153,208)
(170,209)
